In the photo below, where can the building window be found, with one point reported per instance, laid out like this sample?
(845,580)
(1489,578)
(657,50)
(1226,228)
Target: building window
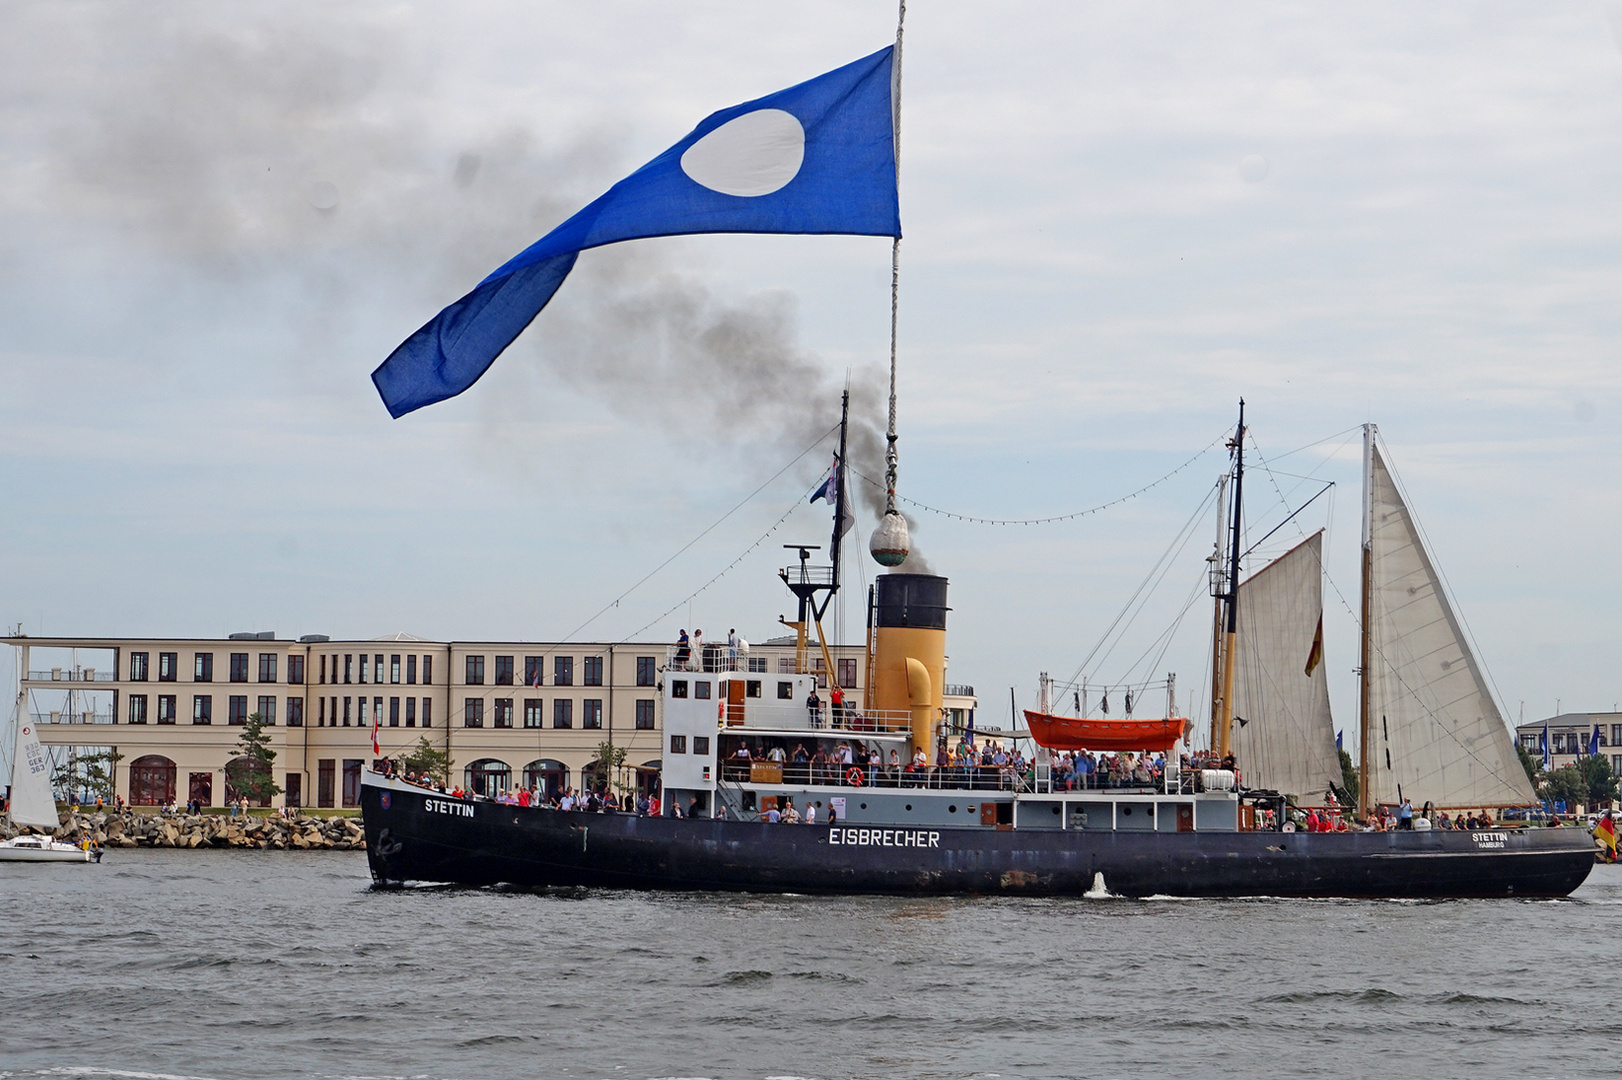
(644,714)
(360,711)
(475,671)
(591,713)
(678,688)
(347,706)
(137,708)
(820,670)
(504,712)
(295,670)
(593,675)
(785,665)
(323,782)
(472,712)
(293,784)
(202,709)
(411,712)
(504,671)
(394,712)
(678,744)
(394,669)
(1616,734)
(563,671)
(701,689)
(757,663)
(138,666)
(267,667)
(323,669)
(562,713)
(533,669)
(203,667)
(352,781)
(427,671)
(488,777)
(701,744)
(267,710)
(785,691)
(295,712)
(427,712)
(236,709)
(320,712)
(349,667)
(646,670)
(168,667)
(411,670)
(239,667)
(847,672)
(377,668)
(362,670)
(751,688)
(166,708)
(532,712)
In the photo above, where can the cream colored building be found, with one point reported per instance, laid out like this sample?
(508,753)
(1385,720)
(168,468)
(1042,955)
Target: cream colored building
(510,713)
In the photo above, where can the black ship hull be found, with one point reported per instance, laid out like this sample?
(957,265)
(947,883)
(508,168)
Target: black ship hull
(416,836)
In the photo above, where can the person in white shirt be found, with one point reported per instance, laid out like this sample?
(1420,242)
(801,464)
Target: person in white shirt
(732,649)
(810,813)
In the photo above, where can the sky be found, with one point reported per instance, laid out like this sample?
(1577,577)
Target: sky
(216,220)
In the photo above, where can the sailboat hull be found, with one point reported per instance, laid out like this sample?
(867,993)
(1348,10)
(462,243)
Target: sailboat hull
(49,851)
(418,836)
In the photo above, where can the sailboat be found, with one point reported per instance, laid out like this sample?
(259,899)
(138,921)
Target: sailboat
(33,804)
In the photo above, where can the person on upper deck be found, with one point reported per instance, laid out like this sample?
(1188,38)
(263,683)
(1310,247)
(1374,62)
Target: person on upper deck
(1405,815)
(684,649)
(813,708)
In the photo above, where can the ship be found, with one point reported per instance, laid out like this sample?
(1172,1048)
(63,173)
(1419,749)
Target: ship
(912,825)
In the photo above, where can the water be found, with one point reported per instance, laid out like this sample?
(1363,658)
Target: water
(237,965)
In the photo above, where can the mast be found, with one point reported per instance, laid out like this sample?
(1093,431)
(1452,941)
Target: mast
(1218,563)
(1231,596)
(1364,802)
(890,543)
(839,494)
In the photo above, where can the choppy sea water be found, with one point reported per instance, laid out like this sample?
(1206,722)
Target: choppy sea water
(237,965)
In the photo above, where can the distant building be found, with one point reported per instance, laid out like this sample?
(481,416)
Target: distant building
(1569,734)
(511,713)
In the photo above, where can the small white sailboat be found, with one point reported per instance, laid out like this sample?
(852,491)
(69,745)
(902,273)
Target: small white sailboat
(32,804)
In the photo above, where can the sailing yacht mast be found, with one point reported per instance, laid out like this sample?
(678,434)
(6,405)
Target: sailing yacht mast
(1364,794)
(1223,744)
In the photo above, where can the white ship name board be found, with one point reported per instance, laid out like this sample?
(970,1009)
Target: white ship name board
(1489,839)
(438,806)
(884,837)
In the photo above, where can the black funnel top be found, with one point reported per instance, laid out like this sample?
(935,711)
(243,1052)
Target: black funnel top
(915,600)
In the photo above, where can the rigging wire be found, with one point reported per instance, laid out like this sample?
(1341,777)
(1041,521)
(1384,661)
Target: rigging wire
(793,506)
(971,519)
(614,603)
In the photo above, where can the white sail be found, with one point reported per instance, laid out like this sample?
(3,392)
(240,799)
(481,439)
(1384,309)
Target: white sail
(1287,740)
(1435,733)
(31,800)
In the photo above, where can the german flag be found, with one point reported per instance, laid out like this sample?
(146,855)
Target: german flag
(1316,655)
(1605,833)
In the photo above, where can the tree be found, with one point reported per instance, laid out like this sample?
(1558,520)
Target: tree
(89,775)
(1565,784)
(609,760)
(1348,779)
(428,761)
(1599,780)
(1530,763)
(255,779)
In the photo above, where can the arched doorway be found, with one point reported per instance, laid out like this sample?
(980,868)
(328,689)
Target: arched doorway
(647,779)
(488,777)
(235,769)
(152,780)
(546,776)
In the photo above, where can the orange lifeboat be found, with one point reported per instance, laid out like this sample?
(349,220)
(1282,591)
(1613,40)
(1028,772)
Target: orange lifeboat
(1077,733)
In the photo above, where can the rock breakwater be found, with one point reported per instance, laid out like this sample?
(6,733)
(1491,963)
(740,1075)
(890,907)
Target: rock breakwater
(129,829)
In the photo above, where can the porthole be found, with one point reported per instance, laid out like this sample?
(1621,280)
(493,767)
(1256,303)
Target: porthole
(1127,810)
(909,806)
(1055,809)
(968,809)
(864,806)
(952,809)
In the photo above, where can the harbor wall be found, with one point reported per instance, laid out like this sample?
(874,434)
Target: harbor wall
(209,831)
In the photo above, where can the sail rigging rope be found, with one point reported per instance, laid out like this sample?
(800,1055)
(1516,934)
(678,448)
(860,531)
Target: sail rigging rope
(614,603)
(971,519)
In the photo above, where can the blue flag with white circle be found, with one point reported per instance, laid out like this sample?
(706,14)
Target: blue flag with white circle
(815,158)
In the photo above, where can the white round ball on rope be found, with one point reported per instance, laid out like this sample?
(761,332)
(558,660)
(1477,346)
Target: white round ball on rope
(890,544)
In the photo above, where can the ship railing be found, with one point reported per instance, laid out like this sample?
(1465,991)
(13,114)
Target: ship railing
(955,778)
(714,658)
